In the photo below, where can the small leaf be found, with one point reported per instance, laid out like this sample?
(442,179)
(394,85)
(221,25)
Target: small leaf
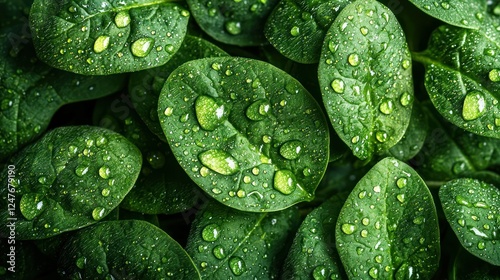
(466,94)
(297,27)
(370,79)
(266,143)
(453,11)
(313,251)
(472,208)
(69,179)
(233,22)
(129,249)
(226,243)
(101,38)
(388,227)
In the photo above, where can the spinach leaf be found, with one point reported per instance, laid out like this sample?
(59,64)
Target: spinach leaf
(101,37)
(297,27)
(226,243)
(388,227)
(128,249)
(247,133)
(313,251)
(31,92)
(145,86)
(233,22)
(365,70)
(71,178)
(465,93)
(472,209)
(462,13)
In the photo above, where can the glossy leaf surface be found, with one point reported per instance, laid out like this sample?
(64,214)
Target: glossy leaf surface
(462,13)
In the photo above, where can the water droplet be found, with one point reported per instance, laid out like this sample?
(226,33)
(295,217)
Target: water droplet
(489,52)
(80,262)
(379,258)
(258,110)
(72,9)
(142,47)
(291,149)
(355,139)
(461,200)
(363,30)
(184,13)
(81,170)
(216,66)
(31,205)
(266,139)
(237,265)
(105,192)
(348,228)
(364,233)
(219,252)
(42,179)
(233,27)
(122,19)
(209,113)
(338,85)
(104,172)
(319,272)
(101,43)
(169,48)
(373,272)
(6,104)
(406,64)
(362,194)
(459,167)
(353,59)
(494,75)
(445,5)
(406,99)
(481,245)
(284,181)
(481,204)
(461,222)
(168,111)
(401,198)
(241,193)
(474,106)
(418,220)
(386,107)
(98,213)
(219,161)
(210,233)
(381,136)
(295,31)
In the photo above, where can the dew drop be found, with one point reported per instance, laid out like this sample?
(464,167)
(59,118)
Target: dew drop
(418,220)
(353,59)
(219,252)
(284,181)
(42,180)
(338,85)
(104,172)
(461,200)
(355,139)
(386,107)
(122,19)
(459,167)
(105,192)
(233,27)
(489,52)
(98,213)
(295,31)
(81,170)
(219,161)
(481,245)
(379,258)
(210,233)
(494,75)
(258,110)
(291,149)
(237,265)
(362,194)
(319,272)
(80,262)
(461,222)
(101,43)
(31,205)
(445,5)
(364,233)
(209,113)
(406,64)
(363,30)
(406,99)
(373,272)
(168,111)
(142,47)
(348,228)
(381,136)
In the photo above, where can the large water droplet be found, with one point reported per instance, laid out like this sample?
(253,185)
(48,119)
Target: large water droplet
(98,213)
(338,85)
(295,31)
(237,265)
(209,113)
(258,110)
(104,172)
(481,245)
(81,170)
(406,99)
(462,200)
(353,59)
(348,228)
(386,107)
(284,181)
(373,272)
(122,19)
(142,47)
(80,262)
(474,106)
(210,233)
(101,43)
(363,30)
(494,75)
(319,272)
(291,149)
(219,252)
(233,27)
(31,205)
(219,161)
(381,136)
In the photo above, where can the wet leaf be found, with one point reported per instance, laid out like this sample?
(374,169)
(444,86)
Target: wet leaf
(71,178)
(297,27)
(100,38)
(313,251)
(365,70)
(247,133)
(472,209)
(125,249)
(226,243)
(465,93)
(466,14)
(388,227)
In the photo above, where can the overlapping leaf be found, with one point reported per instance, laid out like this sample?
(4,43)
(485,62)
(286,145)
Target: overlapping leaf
(462,13)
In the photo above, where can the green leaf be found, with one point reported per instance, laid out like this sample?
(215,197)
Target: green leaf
(247,133)
(233,22)
(297,27)
(31,92)
(313,251)
(462,13)
(226,243)
(472,208)
(388,227)
(467,94)
(128,249)
(70,178)
(365,70)
(100,38)
(145,86)
(468,267)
